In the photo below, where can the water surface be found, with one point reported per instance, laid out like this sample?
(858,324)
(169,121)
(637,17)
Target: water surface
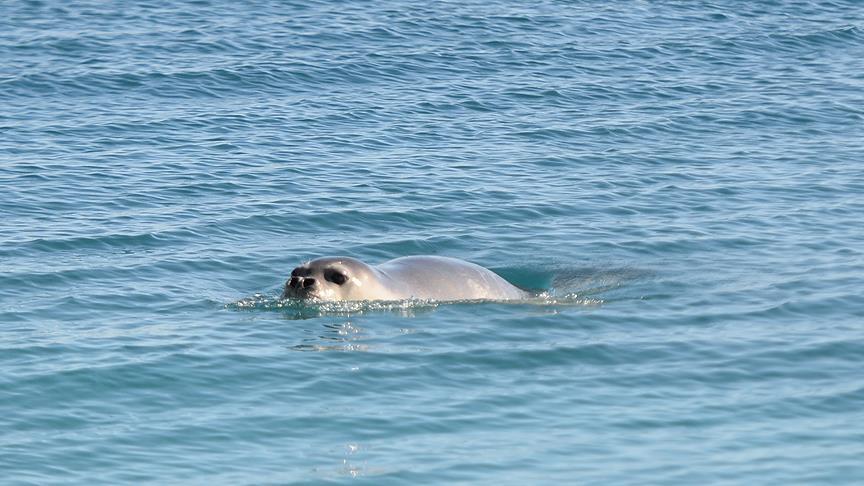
(685,178)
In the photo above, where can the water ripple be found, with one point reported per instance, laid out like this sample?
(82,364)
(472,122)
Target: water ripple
(679,182)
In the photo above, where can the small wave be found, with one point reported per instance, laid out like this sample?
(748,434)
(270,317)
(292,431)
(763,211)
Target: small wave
(306,309)
(843,36)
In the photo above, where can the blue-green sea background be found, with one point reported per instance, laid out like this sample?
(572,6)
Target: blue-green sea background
(684,178)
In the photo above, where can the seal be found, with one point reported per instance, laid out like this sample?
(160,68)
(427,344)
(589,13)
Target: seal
(411,277)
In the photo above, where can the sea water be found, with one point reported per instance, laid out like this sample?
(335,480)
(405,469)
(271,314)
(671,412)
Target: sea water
(681,180)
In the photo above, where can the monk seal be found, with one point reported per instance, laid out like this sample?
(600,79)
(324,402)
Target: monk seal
(411,277)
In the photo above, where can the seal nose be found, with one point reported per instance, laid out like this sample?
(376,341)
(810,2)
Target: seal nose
(301,283)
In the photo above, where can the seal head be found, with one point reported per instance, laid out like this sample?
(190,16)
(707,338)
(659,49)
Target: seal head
(333,278)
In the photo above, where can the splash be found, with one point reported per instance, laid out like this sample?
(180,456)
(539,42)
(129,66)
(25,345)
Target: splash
(303,309)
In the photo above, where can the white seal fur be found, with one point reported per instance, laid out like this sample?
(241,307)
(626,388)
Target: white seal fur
(411,277)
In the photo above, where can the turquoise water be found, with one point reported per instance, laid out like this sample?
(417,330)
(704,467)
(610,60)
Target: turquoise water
(684,179)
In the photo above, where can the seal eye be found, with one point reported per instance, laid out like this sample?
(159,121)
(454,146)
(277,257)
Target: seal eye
(335,276)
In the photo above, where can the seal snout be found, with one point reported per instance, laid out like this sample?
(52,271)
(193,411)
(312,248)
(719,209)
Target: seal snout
(301,282)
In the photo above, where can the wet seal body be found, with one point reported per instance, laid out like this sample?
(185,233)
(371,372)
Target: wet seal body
(412,277)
